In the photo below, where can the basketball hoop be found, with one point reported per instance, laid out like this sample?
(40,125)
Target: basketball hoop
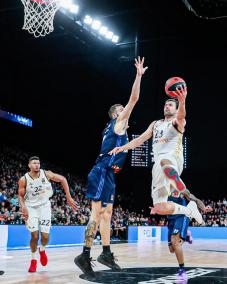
(39,16)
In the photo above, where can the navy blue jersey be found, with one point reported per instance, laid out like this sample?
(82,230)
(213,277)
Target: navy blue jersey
(178,200)
(109,142)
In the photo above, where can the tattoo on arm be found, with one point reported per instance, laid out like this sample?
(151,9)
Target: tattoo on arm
(90,233)
(199,202)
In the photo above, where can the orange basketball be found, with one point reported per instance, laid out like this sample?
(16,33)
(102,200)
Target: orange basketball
(172,84)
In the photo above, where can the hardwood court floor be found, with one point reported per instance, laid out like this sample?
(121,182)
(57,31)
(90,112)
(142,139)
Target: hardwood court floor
(141,263)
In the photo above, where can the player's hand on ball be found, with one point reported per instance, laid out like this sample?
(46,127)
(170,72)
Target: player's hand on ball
(181,93)
(25,213)
(207,209)
(139,66)
(72,203)
(115,151)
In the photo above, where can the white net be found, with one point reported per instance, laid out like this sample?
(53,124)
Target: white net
(39,16)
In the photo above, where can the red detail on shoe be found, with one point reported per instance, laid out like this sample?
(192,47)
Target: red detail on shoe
(43,258)
(172,174)
(33,266)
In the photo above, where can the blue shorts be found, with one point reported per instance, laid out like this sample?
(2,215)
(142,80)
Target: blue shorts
(178,225)
(101,185)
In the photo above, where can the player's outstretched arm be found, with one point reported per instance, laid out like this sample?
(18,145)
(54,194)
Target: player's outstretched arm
(59,178)
(181,95)
(200,204)
(135,142)
(124,115)
(21,194)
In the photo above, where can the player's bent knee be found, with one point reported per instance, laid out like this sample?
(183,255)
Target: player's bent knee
(161,208)
(175,241)
(165,162)
(35,237)
(171,248)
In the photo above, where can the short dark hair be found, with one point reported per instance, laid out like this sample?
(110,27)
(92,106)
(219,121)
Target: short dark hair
(173,100)
(33,158)
(112,109)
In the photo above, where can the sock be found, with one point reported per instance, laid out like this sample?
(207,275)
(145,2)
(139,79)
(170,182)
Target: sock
(42,248)
(86,251)
(33,255)
(179,209)
(106,249)
(181,265)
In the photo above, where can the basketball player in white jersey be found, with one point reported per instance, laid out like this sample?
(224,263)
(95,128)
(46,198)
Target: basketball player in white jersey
(35,189)
(167,137)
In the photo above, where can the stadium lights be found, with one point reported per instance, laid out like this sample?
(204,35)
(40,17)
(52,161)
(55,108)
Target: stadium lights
(74,9)
(115,39)
(103,30)
(88,20)
(66,3)
(109,35)
(96,25)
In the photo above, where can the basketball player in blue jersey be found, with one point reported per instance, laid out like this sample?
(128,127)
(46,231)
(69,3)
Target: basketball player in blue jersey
(101,179)
(167,137)
(178,227)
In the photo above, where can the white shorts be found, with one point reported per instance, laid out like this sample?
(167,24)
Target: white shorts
(39,218)
(160,183)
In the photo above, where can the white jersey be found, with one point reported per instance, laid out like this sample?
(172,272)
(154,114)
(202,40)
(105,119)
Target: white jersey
(166,139)
(38,191)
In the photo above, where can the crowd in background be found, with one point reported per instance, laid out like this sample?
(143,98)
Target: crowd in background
(13,165)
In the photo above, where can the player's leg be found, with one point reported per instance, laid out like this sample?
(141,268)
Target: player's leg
(107,197)
(178,250)
(160,192)
(170,230)
(45,225)
(32,225)
(178,237)
(83,261)
(107,257)
(171,172)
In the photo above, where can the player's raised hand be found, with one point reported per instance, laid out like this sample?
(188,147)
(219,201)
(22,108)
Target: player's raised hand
(72,203)
(139,66)
(24,212)
(207,209)
(116,150)
(181,93)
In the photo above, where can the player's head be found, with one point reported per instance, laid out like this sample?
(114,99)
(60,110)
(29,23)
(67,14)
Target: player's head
(34,164)
(115,110)
(170,107)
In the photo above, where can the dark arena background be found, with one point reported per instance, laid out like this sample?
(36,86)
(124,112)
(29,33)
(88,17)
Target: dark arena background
(55,94)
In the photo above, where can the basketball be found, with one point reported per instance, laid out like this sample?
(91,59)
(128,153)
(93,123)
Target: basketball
(172,84)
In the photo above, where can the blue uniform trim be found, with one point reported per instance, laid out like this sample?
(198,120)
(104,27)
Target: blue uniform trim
(118,143)
(184,226)
(101,184)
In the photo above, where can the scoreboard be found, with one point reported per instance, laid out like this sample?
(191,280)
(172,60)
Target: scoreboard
(142,156)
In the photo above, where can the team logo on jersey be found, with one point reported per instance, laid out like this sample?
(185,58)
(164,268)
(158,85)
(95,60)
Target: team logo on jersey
(43,180)
(159,275)
(112,197)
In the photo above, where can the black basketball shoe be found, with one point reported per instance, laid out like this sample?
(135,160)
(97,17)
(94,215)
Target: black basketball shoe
(108,259)
(84,263)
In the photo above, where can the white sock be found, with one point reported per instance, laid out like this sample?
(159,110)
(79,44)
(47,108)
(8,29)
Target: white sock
(179,209)
(42,248)
(33,255)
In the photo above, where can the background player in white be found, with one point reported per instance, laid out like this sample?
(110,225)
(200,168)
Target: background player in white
(34,192)
(167,137)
